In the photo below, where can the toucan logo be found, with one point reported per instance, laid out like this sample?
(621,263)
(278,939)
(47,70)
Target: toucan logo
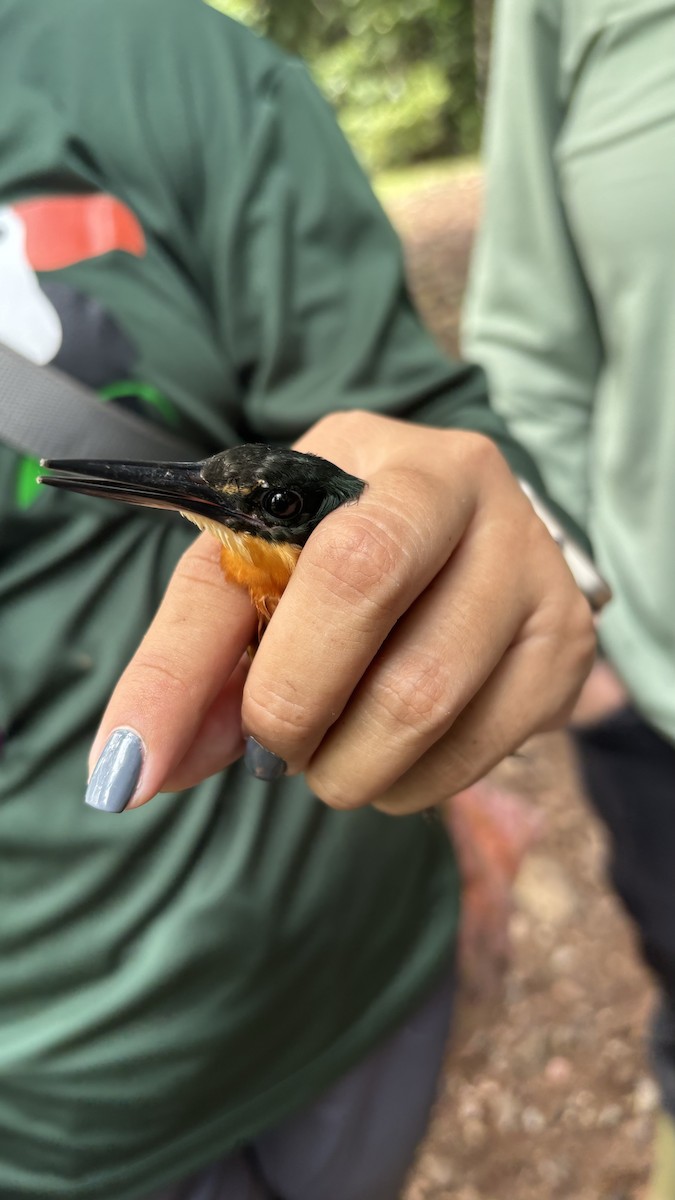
(48,233)
(46,319)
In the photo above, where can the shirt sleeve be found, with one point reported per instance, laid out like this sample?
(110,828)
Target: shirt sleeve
(529,318)
(308,285)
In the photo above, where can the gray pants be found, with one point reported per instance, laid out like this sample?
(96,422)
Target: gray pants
(629,771)
(358,1141)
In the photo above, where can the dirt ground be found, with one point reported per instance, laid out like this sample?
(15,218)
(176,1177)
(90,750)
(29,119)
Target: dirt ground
(547,1093)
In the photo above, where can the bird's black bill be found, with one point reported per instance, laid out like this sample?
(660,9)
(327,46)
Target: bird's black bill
(177,486)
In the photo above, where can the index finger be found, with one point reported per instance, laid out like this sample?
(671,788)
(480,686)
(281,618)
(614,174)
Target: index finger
(189,652)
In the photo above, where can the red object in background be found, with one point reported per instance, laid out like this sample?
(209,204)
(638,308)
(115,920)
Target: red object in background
(492,830)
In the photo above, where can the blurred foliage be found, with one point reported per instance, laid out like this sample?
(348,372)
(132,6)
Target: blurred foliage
(401,74)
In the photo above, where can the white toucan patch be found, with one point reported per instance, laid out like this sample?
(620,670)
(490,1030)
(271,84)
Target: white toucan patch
(29,322)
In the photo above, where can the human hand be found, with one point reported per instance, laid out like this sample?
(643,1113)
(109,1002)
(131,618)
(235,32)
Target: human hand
(426,632)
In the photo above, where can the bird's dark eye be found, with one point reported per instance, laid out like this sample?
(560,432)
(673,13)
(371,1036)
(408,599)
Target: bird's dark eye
(282,505)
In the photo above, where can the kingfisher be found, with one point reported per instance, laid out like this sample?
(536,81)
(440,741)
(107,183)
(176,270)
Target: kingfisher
(261,502)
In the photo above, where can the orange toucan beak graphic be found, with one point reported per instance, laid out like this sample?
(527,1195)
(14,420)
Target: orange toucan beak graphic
(63,230)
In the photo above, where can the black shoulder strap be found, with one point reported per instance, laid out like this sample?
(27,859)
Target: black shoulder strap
(46,414)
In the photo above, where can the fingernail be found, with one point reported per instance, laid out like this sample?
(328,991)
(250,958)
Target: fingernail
(116,774)
(262,763)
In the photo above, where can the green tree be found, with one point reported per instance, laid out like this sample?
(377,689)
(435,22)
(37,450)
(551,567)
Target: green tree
(401,74)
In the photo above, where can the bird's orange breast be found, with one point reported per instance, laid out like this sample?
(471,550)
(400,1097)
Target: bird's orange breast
(263,567)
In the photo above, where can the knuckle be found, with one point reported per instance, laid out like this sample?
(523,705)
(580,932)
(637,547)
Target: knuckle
(416,695)
(482,451)
(349,422)
(277,718)
(359,561)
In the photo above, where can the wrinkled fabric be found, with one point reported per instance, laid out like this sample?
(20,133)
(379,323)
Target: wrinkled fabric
(357,1141)
(571,307)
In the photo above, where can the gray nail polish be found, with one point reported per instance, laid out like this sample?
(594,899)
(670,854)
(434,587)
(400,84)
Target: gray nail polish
(262,763)
(116,774)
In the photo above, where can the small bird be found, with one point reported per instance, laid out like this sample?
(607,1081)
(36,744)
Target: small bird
(260,502)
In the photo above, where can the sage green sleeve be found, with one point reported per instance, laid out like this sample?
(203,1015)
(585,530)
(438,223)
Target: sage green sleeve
(529,319)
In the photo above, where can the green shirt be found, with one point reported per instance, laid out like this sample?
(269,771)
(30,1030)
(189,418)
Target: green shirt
(177,979)
(572,310)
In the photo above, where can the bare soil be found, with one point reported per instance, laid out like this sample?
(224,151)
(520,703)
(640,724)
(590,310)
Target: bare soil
(547,1093)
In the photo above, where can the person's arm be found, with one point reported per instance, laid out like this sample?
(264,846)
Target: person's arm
(529,318)
(428,629)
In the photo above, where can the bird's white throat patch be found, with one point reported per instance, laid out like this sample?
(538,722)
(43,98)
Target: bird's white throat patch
(227,538)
